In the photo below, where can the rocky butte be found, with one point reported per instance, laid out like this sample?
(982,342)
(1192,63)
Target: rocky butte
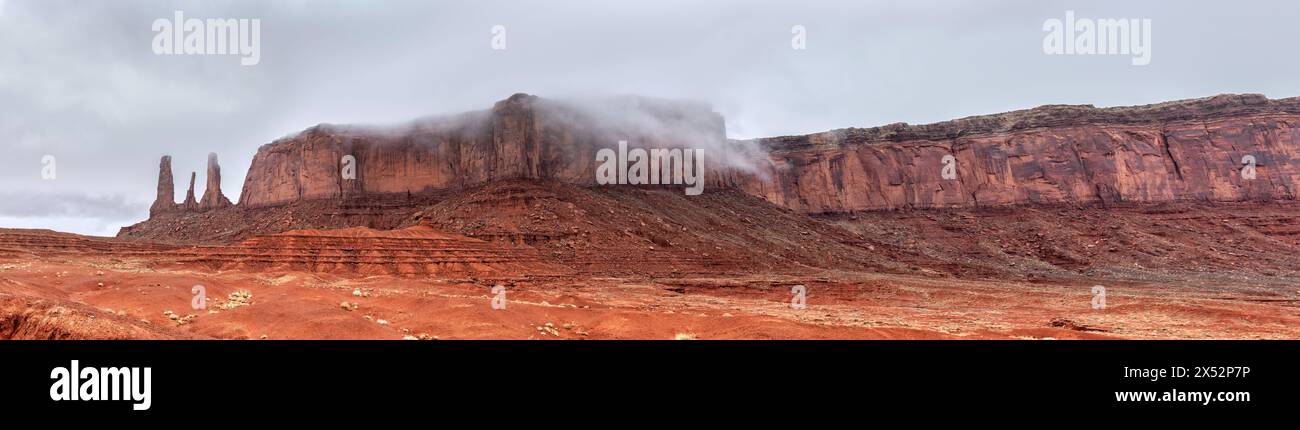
(523,137)
(1190,150)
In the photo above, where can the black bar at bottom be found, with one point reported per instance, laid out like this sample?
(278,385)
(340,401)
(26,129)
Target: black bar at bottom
(195,378)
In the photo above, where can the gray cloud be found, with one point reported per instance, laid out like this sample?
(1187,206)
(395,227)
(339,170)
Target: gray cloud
(78,79)
(46,205)
(99,215)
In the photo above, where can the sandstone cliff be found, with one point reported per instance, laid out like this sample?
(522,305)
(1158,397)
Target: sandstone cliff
(523,137)
(1189,150)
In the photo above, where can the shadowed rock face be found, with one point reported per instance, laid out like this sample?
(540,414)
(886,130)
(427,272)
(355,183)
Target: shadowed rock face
(1179,151)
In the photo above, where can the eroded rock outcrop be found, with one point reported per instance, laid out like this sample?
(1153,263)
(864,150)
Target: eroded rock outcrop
(166,189)
(212,196)
(190,203)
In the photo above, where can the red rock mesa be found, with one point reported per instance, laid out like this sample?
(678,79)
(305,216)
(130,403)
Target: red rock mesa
(1188,150)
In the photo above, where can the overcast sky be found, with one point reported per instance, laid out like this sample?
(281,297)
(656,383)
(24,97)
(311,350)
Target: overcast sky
(79,79)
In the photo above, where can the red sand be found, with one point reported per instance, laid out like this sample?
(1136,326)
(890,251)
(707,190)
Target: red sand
(647,264)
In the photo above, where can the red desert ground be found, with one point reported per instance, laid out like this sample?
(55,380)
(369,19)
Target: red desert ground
(491,225)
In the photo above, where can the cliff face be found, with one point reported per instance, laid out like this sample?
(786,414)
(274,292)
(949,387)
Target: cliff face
(1178,151)
(1190,150)
(522,137)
